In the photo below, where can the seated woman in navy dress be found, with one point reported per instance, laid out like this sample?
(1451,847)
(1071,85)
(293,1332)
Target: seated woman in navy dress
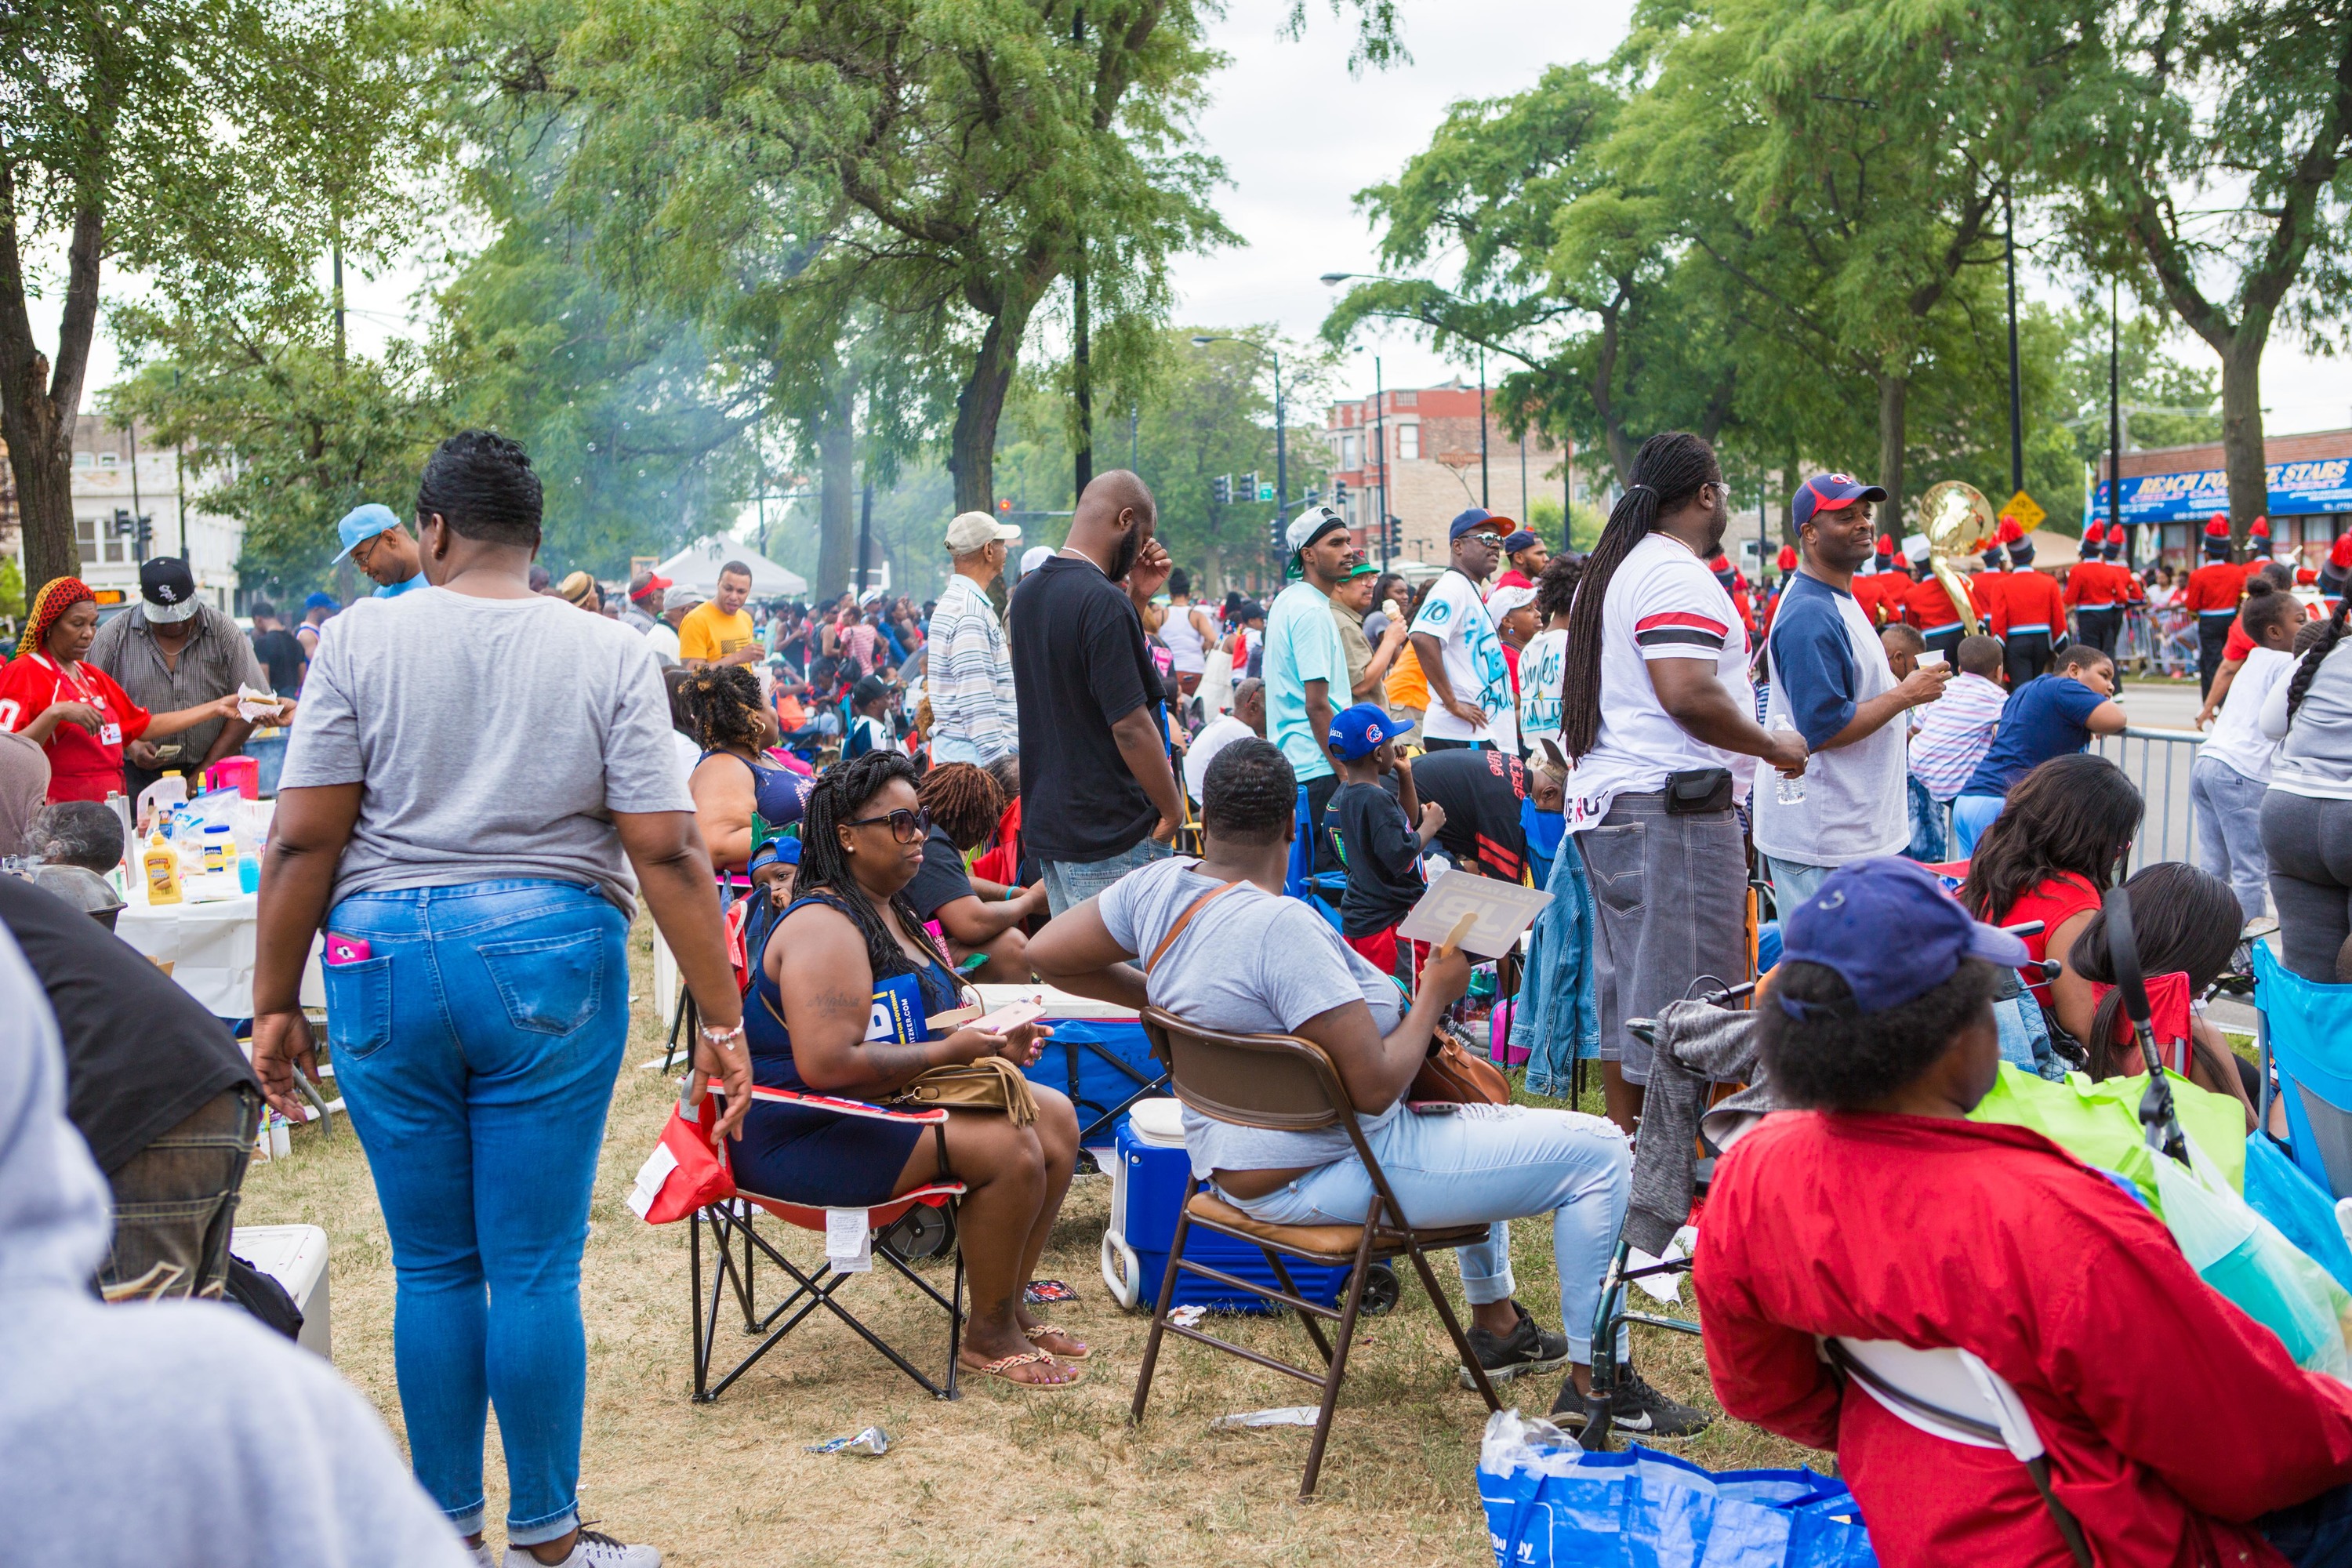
(735,776)
(850,929)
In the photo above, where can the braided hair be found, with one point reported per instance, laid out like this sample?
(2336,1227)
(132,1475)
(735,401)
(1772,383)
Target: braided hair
(721,706)
(2316,655)
(1667,471)
(841,793)
(963,800)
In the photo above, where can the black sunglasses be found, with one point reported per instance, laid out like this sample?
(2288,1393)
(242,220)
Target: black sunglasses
(906,826)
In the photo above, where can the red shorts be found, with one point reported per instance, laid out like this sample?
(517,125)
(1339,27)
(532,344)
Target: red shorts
(1380,949)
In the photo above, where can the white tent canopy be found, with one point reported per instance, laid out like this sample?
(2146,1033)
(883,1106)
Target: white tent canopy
(698,567)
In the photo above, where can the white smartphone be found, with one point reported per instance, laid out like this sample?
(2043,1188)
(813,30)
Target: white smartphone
(1011,1015)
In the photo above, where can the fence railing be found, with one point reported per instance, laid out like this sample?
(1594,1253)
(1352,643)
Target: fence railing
(2158,762)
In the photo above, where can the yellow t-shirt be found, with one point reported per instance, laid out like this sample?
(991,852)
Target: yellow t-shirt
(706,634)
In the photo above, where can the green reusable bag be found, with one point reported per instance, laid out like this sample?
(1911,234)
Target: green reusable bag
(2098,1123)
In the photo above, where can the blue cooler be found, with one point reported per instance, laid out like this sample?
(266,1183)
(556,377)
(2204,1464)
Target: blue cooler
(1148,1182)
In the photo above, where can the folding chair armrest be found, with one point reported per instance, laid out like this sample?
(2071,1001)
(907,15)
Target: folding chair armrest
(929,1117)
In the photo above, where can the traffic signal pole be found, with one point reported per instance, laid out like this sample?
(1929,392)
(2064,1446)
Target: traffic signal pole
(1380,432)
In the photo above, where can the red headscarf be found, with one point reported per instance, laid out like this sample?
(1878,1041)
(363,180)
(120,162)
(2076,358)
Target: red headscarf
(58,596)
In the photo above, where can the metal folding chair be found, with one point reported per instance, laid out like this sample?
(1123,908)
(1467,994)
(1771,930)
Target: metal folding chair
(1286,1084)
(736,1246)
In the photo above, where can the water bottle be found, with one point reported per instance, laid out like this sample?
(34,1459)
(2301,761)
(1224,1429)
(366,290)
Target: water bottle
(1786,790)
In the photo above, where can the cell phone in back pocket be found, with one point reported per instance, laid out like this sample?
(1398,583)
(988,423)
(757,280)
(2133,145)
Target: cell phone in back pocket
(347,949)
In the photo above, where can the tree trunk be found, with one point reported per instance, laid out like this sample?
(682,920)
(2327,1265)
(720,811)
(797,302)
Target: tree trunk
(2242,456)
(1893,394)
(972,445)
(37,408)
(1082,441)
(1211,589)
(836,466)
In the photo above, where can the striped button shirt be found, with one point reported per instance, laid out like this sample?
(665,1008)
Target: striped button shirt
(967,676)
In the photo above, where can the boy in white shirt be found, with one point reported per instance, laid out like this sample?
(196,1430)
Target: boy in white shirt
(2232,771)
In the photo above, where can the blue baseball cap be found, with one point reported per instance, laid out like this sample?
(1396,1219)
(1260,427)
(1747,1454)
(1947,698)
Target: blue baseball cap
(1830,492)
(1892,933)
(321,602)
(361,524)
(1479,517)
(1357,733)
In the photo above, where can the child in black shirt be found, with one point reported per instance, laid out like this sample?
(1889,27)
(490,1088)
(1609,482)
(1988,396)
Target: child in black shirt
(1374,832)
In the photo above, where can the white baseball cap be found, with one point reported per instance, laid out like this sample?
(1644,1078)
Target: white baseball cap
(1504,600)
(971,530)
(1309,526)
(1038,555)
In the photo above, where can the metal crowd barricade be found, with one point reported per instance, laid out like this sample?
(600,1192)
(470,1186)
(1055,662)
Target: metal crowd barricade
(2158,762)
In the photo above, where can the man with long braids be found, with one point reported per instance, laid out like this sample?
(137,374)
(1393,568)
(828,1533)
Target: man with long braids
(1658,715)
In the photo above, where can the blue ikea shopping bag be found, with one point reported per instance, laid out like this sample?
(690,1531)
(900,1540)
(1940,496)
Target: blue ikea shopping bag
(1549,1504)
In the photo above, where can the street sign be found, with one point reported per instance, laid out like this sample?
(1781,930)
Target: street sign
(2025,509)
(1265,490)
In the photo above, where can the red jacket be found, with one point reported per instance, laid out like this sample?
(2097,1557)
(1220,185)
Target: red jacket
(2214,587)
(1990,588)
(1928,605)
(2096,586)
(2028,598)
(2170,1416)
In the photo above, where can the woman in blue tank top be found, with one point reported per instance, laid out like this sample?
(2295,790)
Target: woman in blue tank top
(735,777)
(808,1023)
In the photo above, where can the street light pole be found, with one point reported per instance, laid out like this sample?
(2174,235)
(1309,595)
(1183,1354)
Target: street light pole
(2115,408)
(1380,433)
(2016,390)
(1485,498)
(1281,445)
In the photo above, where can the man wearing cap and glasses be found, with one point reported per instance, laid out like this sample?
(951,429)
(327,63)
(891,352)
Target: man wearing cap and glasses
(380,547)
(1469,683)
(1831,682)
(1305,663)
(968,672)
(175,651)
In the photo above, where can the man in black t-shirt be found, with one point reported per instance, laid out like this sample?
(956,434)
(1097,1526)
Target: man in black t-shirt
(1097,796)
(157,1088)
(279,651)
(1482,791)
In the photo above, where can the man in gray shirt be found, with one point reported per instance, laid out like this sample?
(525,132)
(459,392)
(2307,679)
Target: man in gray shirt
(174,651)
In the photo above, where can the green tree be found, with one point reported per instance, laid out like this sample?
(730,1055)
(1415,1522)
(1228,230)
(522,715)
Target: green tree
(196,141)
(2214,151)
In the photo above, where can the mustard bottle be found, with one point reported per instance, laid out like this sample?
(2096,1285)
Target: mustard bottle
(160,863)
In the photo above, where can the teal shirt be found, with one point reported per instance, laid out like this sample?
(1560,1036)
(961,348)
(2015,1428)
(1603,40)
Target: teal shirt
(1302,644)
(394,590)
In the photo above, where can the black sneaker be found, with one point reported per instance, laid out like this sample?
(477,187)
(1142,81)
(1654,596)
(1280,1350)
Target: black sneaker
(1635,1408)
(1527,1348)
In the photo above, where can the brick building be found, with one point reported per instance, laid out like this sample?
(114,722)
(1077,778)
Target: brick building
(2173,489)
(1433,464)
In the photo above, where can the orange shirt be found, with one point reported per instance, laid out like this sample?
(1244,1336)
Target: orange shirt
(1407,686)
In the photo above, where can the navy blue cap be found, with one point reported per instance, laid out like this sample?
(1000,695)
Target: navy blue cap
(1892,933)
(1357,733)
(1523,540)
(1828,493)
(1475,518)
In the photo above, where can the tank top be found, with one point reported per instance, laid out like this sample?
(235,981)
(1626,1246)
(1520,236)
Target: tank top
(778,793)
(771,1043)
(1183,639)
(2053,901)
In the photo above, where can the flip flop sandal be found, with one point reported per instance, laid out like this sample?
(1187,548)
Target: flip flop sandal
(1042,1330)
(1002,1367)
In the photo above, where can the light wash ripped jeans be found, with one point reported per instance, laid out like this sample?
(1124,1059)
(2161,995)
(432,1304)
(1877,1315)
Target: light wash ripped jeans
(1486,1162)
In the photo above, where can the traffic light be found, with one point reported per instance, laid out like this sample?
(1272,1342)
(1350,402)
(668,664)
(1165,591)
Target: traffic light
(1221,490)
(1392,537)
(1246,490)
(145,538)
(1339,495)
(1314,495)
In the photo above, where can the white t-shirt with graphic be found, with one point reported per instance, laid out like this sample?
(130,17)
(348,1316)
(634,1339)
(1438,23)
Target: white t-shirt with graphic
(1456,617)
(1663,603)
(1542,663)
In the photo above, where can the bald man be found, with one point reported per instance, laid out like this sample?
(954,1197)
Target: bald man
(1097,796)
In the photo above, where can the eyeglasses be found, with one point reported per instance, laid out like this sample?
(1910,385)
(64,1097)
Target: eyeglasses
(363,551)
(906,826)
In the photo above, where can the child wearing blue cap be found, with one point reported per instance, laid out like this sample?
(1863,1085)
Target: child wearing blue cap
(1374,832)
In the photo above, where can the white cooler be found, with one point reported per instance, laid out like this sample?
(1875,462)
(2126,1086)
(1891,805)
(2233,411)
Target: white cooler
(296,1257)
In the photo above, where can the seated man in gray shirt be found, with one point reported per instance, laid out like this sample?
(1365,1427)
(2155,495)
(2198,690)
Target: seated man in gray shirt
(1252,961)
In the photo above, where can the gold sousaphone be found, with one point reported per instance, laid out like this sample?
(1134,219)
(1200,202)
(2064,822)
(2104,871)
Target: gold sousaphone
(1958,523)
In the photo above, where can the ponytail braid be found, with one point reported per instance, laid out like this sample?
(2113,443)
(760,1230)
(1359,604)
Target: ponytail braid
(1667,471)
(2316,656)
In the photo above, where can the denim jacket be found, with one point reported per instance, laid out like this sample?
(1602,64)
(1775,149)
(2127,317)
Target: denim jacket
(1557,1019)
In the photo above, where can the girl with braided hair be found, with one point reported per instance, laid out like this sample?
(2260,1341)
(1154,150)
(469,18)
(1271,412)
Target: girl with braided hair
(73,710)
(849,928)
(1657,710)
(979,918)
(2307,812)
(735,777)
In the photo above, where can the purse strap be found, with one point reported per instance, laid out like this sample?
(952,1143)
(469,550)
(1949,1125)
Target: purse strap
(1203,901)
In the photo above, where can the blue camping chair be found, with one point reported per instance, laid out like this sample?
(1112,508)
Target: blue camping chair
(2304,1030)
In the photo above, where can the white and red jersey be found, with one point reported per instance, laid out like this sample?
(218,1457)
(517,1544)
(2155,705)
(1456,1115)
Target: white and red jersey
(79,761)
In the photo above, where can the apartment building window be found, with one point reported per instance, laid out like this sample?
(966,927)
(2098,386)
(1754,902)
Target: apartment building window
(1408,443)
(88,538)
(84,459)
(1407,399)
(108,460)
(1351,451)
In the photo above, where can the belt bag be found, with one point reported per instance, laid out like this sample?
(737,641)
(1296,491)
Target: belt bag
(991,1083)
(1696,791)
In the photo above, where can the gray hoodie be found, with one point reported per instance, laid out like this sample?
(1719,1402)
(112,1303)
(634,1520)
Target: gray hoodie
(170,1435)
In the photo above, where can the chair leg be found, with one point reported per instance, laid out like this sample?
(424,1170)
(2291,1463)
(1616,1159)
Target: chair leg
(1599,1405)
(1452,1325)
(955,1325)
(1160,1311)
(1357,1276)
(1314,1328)
(694,1273)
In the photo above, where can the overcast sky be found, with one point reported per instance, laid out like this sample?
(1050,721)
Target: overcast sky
(1299,137)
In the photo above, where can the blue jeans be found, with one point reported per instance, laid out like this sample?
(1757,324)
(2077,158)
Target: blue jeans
(1928,842)
(1489,1162)
(2228,808)
(1072,882)
(1971,814)
(1793,882)
(476,1048)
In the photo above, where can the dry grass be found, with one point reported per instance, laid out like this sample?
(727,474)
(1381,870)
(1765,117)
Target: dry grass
(1001,1475)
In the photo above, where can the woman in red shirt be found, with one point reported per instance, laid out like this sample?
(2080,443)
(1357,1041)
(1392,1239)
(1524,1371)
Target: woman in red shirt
(2051,856)
(77,712)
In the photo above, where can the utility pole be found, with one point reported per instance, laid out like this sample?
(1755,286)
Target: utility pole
(1380,433)
(138,511)
(2115,409)
(1485,497)
(2016,390)
(1082,453)
(1281,448)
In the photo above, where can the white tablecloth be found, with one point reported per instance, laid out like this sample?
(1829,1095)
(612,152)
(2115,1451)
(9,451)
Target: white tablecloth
(209,943)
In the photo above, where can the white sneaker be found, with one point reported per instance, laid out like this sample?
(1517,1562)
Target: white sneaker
(593,1549)
(484,1557)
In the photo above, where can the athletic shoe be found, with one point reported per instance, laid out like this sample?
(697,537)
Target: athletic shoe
(593,1549)
(483,1556)
(1527,1348)
(1635,1408)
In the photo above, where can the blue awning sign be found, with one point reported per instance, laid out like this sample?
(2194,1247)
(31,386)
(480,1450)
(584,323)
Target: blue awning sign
(2297,489)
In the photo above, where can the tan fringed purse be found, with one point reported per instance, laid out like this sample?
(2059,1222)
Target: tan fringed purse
(992,1083)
